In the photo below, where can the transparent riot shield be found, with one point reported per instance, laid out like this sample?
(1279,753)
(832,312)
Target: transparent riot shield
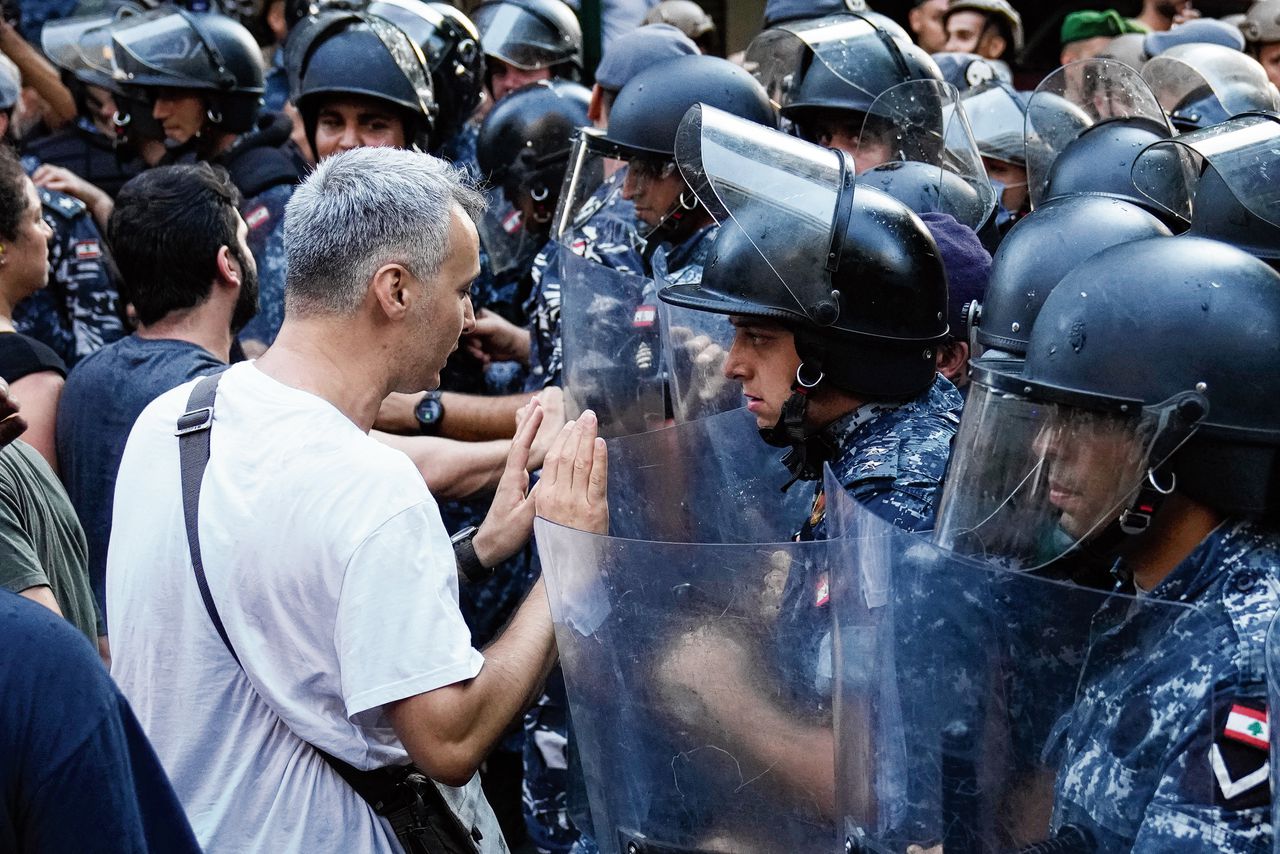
(611,346)
(983,710)
(1244,154)
(694,347)
(1200,85)
(591,181)
(916,145)
(700,702)
(1074,99)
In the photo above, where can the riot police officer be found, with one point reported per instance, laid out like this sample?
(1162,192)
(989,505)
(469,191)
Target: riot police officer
(527,40)
(207,98)
(1261,30)
(1201,84)
(642,131)
(1154,441)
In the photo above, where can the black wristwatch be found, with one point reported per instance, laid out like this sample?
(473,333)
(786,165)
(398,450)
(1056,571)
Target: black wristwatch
(464,553)
(429,413)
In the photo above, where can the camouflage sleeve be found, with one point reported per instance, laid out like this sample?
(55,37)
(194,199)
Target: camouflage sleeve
(900,502)
(264,214)
(544,320)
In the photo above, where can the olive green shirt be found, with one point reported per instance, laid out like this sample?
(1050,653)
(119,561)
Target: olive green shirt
(41,541)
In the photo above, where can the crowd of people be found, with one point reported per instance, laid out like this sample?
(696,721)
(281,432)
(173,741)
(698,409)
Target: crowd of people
(308,311)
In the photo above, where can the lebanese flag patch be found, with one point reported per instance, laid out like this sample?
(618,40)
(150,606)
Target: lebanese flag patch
(823,594)
(257,216)
(1248,726)
(646,315)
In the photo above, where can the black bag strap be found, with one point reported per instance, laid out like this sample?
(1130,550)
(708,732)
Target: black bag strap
(380,787)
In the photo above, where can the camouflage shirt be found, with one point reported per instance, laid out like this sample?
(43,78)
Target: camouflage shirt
(1152,757)
(604,231)
(79,311)
(891,459)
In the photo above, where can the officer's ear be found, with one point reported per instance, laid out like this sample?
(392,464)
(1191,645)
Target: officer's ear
(991,38)
(953,361)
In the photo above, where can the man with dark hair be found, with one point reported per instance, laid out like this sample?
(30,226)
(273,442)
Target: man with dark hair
(990,28)
(180,243)
(926,21)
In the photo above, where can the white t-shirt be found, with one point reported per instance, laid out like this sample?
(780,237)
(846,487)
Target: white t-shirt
(336,582)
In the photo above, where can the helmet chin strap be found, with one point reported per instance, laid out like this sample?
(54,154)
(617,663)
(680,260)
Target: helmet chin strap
(670,226)
(806,453)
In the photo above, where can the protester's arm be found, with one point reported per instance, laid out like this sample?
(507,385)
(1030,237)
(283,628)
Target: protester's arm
(467,417)
(40,75)
(450,730)
(452,469)
(62,180)
(39,394)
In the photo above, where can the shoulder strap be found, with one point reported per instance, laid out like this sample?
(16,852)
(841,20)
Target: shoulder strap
(193,456)
(377,787)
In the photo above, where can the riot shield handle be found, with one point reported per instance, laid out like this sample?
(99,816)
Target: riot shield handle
(632,842)
(1071,839)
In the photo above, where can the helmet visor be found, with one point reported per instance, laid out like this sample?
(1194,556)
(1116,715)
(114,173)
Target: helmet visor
(166,50)
(781,191)
(1032,480)
(82,46)
(920,121)
(1074,98)
(782,57)
(519,37)
(1202,84)
(997,117)
(1244,151)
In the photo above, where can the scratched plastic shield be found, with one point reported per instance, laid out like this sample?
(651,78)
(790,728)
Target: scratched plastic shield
(693,583)
(980,709)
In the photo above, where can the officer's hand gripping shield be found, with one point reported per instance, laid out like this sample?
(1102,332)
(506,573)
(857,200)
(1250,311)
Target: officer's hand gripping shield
(1234,170)
(980,710)
(1200,85)
(1033,481)
(693,649)
(1075,99)
(917,146)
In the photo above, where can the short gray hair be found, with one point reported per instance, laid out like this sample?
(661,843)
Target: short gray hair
(365,208)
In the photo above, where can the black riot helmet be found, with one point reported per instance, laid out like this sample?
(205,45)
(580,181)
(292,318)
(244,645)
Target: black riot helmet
(1218,214)
(1100,162)
(1040,250)
(171,48)
(646,114)
(841,63)
(323,50)
(1148,372)
(852,271)
(1205,318)
(525,141)
(531,34)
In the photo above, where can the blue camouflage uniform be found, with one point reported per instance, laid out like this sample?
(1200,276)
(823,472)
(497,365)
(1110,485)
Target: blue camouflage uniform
(79,311)
(890,458)
(603,231)
(1151,758)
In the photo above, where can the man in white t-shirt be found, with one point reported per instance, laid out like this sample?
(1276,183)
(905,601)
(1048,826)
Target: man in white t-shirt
(324,551)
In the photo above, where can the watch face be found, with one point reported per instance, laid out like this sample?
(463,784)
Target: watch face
(429,410)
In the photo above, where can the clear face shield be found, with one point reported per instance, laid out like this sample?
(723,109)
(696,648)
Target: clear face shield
(519,37)
(997,116)
(1244,152)
(924,122)
(973,702)
(782,192)
(1032,481)
(1075,98)
(82,46)
(780,56)
(1200,85)
(162,47)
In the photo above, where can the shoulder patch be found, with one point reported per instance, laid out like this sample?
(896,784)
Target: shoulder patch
(88,250)
(257,216)
(61,204)
(1240,756)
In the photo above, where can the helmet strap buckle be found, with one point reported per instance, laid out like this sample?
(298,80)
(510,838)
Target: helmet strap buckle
(1136,518)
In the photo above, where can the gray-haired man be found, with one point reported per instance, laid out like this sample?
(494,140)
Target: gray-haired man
(324,552)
